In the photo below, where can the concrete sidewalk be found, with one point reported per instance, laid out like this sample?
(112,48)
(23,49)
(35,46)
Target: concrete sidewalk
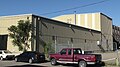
(110,57)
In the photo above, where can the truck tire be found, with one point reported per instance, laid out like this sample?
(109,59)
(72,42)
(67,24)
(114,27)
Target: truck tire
(82,64)
(1,58)
(53,61)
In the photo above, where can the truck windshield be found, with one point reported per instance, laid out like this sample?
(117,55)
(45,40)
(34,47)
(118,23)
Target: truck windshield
(77,51)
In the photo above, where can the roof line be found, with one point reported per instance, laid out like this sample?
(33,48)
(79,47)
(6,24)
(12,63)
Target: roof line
(15,15)
(85,13)
(106,16)
(60,22)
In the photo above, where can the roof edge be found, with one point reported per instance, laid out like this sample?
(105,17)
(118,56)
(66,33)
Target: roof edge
(16,15)
(106,16)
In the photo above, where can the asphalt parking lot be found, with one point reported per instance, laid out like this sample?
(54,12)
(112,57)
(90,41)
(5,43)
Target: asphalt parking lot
(12,63)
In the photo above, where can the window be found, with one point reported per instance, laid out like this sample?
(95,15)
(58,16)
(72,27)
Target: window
(31,54)
(85,40)
(72,40)
(77,51)
(53,37)
(24,54)
(63,51)
(69,51)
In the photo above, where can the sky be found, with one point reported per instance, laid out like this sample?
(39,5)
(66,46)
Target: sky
(110,8)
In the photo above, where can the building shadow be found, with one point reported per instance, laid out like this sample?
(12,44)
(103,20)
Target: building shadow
(28,65)
(74,65)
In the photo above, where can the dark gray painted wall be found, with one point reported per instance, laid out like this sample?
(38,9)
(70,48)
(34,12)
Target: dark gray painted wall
(63,35)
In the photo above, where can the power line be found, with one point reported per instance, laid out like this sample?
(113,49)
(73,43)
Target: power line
(75,7)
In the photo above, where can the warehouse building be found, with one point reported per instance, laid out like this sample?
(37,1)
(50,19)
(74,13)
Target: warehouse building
(96,21)
(61,35)
(5,23)
(51,32)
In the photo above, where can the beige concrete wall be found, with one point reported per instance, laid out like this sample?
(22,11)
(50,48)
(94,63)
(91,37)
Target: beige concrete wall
(6,22)
(82,21)
(66,18)
(88,20)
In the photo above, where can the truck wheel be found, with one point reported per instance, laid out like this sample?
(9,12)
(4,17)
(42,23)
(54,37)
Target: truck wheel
(82,64)
(53,61)
(1,58)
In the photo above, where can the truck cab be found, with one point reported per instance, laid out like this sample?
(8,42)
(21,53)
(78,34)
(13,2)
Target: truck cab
(74,56)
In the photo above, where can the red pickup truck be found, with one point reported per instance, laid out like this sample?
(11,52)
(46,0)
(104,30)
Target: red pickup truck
(74,56)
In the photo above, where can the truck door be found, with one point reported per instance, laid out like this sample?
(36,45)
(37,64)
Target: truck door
(63,55)
(77,52)
(69,55)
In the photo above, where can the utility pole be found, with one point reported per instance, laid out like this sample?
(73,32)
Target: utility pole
(75,17)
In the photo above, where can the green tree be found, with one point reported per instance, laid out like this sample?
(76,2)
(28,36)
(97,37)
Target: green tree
(48,48)
(21,34)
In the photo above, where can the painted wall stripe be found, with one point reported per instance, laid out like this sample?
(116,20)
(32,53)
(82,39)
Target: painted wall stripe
(86,20)
(79,19)
(93,21)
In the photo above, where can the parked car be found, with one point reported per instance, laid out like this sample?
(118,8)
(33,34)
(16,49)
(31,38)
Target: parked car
(30,56)
(5,54)
(75,56)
